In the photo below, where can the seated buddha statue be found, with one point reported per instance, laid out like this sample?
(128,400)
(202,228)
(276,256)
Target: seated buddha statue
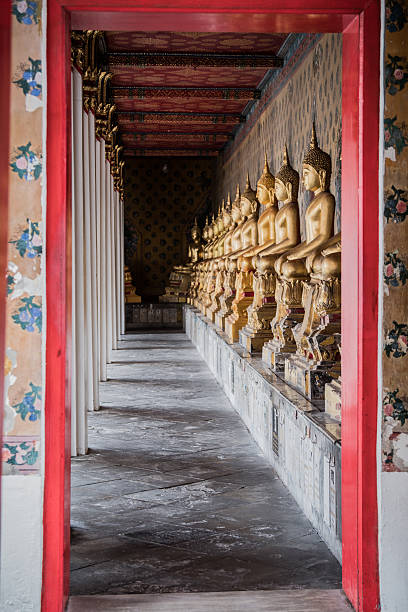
(232,241)
(290,267)
(219,261)
(316,350)
(243,284)
(131,296)
(211,271)
(262,309)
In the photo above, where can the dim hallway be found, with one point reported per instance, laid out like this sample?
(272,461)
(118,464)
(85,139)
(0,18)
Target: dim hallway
(175,496)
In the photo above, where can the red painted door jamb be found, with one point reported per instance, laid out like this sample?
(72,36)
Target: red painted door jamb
(361,43)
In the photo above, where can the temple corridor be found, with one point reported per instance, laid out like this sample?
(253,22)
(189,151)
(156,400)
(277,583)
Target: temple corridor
(174,495)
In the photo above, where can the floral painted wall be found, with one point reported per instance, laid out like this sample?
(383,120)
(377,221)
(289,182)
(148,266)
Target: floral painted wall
(395,321)
(162,197)
(23,369)
(306,89)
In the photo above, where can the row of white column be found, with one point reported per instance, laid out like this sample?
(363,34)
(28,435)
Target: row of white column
(97,268)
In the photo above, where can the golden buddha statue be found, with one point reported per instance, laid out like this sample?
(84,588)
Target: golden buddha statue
(291,267)
(244,294)
(131,296)
(211,268)
(194,246)
(224,222)
(232,241)
(262,310)
(316,349)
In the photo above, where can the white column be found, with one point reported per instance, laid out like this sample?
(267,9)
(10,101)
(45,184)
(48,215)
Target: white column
(93,264)
(122,273)
(108,226)
(81,424)
(118,267)
(102,252)
(113,263)
(88,271)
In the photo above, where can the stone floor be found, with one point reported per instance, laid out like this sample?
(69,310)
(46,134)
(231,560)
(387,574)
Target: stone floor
(175,496)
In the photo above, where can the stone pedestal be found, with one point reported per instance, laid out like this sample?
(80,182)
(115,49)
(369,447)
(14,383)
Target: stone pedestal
(308,378)
(239,317)
(332,399)
(258,329)
(226,300)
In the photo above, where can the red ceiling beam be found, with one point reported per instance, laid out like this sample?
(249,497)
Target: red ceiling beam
(169,117)
(193,60)
(170,153)
(221,93)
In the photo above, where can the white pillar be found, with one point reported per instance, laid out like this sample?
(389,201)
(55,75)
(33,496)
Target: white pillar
(113,263)
(81,424)
(122,273)
(88,272)
(102,253)
(108,226)
(118,267)
(93,264)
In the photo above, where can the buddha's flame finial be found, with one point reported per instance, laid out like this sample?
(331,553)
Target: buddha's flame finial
(238,193)
(285,156)
(228,200)
(313,140)
(248,183)
(266,169)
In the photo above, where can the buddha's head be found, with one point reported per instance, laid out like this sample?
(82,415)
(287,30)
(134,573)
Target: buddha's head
(195,231)
(249,203)
(226,213)
(287,181)
(236,207)
(220,218)
(316,167)
(214,227)
(205,230)
(211,229)
(265,190)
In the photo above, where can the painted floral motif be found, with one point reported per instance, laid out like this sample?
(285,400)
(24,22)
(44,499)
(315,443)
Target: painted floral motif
(394,134)
(10,283)
(29,243)
(395,271)
(26,11)
(395,407)
(396,74)
(29,315)
(24,453)
(395,15)
(396,340)
(388,464)
(26,163)
(396,205)
(30,81)
(30,405)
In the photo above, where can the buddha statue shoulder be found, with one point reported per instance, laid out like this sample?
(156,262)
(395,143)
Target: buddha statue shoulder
(319,217)
(229,225)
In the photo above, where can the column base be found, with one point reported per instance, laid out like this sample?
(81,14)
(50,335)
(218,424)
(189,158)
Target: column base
(332,399)
(238,319)
(308,378)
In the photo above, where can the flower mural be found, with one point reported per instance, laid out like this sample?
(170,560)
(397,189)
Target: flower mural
(30,82)
(395,407)
(29,316)
(396,205)
(26,11)
(30,405)
(395,15)
(396,74)
(29,242)
(26,163)
(395,271)
(396,340)
(23,453)
(395,134)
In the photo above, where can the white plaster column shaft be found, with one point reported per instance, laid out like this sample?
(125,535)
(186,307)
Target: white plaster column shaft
(113,264)
(108,260)
(102,253)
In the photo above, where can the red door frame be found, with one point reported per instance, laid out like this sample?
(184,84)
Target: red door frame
(360,23)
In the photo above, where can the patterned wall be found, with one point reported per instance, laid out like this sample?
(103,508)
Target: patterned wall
(162,197)
(395,322)
(308,87)
(23,368)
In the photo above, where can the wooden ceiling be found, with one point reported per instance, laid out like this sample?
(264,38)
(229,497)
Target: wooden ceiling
(186,93)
